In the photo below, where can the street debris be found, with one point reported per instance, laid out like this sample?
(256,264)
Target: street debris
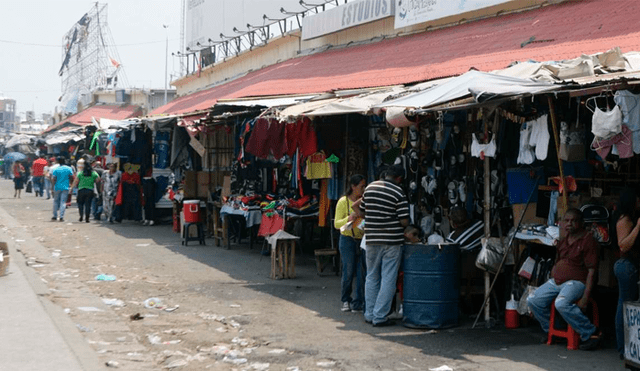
(90,309)
(234,306)
(113,302)
(83,328)
(326,364)
(172,309)
(441,368)
(113,364)
(153,303)
(105,277)
(276,351)
(259,366)
(136,317)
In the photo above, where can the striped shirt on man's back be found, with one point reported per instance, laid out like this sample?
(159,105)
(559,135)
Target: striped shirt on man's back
(385,205)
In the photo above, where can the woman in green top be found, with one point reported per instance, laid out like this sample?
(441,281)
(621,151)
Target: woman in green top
(85,181)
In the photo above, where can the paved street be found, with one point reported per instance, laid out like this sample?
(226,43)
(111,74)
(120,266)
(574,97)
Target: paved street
(219,310)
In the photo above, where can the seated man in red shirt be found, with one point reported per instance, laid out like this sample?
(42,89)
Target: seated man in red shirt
(571,282)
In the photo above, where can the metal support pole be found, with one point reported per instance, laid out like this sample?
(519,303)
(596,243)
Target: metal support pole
(487,221)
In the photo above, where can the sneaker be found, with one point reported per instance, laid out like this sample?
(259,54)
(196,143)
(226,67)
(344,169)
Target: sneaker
(53,218)
(384,323)
(357,310)
(345,307)
(61,219)
(591,343)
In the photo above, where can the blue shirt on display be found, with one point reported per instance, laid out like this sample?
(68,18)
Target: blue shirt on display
(63,174)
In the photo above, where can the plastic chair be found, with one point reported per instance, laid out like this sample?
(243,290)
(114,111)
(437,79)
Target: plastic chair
(573,338)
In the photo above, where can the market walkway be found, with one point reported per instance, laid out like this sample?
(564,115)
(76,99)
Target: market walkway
(314,327)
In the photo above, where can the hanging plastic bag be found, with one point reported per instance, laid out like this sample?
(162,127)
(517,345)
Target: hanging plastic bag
(490,255)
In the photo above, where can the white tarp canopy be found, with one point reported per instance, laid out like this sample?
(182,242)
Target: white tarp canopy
(106,124)
(482,85)
(18,139)
(266,101)
(63,137)
(362,103)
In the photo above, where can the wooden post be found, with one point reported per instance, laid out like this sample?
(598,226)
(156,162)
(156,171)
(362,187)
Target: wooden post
(487,220)
(556,138)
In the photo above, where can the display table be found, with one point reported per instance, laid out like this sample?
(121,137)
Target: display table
(283,255)
(237,219)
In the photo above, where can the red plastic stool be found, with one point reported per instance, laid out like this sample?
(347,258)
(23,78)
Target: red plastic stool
(573,338)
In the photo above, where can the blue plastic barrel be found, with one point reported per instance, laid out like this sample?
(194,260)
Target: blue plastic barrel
(431,286)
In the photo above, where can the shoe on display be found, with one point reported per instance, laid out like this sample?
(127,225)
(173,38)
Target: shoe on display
(462,191)
(452,194)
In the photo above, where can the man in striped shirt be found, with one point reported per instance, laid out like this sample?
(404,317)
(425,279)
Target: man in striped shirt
(466,233)
(386,215)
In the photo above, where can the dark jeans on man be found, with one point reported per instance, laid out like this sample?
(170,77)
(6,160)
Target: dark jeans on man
(85,196)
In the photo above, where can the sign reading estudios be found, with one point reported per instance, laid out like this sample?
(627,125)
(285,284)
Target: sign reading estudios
(348,15)
(410,12)
(406,12)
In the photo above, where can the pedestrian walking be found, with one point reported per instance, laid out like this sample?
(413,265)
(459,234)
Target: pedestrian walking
(61,178)
(110,183)
(19,177)
(38,175)
(47,177)
(386,216)
(85,181)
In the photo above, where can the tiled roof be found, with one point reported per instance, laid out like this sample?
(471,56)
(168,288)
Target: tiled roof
(557,32)
(111,111)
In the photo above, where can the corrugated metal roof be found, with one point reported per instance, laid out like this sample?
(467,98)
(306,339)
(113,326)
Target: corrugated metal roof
(83,118)
(554,32)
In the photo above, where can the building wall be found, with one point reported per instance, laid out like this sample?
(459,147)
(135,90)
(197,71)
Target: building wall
(147,99)
(291,45)
(7,113)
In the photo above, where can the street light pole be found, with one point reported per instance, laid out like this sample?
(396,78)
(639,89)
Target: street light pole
(166,61)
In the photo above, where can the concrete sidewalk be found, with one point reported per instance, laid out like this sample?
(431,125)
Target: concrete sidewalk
(36,335)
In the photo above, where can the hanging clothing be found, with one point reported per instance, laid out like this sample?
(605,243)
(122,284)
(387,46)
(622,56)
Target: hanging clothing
(606,124)
(267,138)
(325,204)
(540,137)
(149,191)
(479,150)
(630,106)
(318,167)
(129,197)
(302,135)
(623,142)
(527,154)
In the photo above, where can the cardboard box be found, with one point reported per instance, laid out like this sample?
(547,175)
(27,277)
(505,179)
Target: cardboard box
(530,216)
(190,184)
(205,180)
(4,260)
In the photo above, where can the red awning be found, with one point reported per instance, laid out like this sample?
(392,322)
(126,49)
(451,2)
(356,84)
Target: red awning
(554,32)
(83,118)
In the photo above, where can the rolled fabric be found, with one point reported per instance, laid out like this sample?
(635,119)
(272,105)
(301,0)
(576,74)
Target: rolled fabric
(396,118)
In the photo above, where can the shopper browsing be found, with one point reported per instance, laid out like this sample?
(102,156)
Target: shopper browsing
(386,215)
(351,255)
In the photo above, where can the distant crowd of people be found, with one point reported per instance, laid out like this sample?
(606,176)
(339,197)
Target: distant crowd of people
(95,187)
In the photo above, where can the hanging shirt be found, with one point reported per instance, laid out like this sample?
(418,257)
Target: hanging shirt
(318,167)
(526,155)
(489,149)
(606,124)
(623,142)
(540,137)
(630,106)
